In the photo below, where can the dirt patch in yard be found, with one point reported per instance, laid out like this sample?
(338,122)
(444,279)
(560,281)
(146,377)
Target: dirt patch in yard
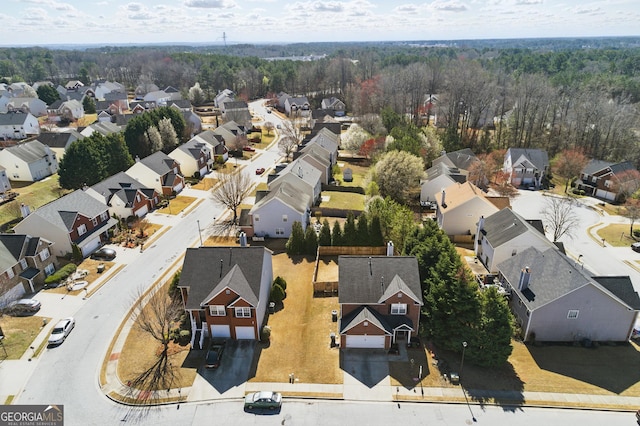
(328,268)
(19,334)
(300,342)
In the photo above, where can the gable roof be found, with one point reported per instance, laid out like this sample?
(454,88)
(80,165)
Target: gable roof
(117,185)
(208,270)
(13,118)
(443,168)
(288,194)
(304,171)
(461,159)
(235,105)
(159,162)
(505,225)
(29,152)
(63,211)
(622,288)
(537,157)
(369,279)
(362,314)
(459,194)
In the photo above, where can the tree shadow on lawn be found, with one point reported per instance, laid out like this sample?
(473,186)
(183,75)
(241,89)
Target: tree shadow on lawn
(408,373)
(612,367)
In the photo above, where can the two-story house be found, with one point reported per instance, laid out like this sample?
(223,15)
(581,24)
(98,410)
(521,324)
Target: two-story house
(76,218)
(275,211)
(225,291)
(29,162)
(525,166)
(125,196)
(158,171)
(18,125)
(194,158)
(380,300)
(25,262)
(604,179)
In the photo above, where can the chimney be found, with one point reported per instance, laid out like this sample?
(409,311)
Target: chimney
(243,239)
(370,268)
(525,276)
(481,223)
(442,202)
(221,267)
(390,248)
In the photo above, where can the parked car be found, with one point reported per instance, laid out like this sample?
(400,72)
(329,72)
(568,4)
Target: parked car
(104,254)
(635,247)
(249,149)
(214,355)
(260,170)
(61,330)
(23,307)
(263,399)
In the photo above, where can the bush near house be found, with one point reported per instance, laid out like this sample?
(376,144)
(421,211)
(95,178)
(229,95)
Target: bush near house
(61,274)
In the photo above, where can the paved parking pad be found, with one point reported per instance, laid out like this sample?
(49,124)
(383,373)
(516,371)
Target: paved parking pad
(366,374)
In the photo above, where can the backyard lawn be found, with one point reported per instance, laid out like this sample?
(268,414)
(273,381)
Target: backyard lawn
(34,195)
(300,331)
(359,172)
(342,200)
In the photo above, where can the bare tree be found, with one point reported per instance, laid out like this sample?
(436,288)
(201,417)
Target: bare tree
(290,136)
(568,164)
(559,216)
(631,211)
(156,315)
(233,188)
(268,126)
(141,224)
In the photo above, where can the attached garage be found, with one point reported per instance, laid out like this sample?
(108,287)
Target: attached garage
(245,333)
(221,331)
(365,341)
(142,211)
(178,187)
(605,195)
(90,246)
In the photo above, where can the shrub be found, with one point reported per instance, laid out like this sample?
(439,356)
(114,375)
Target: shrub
(281,282)
(76,253)
(174,292)
(277,294)
(61,274)
(265,333)
(636,233)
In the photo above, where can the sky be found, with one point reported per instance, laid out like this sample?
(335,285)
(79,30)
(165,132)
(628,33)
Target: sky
(108,22)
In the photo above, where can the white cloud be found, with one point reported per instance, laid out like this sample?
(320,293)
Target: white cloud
(209,4)
(527,2)
(328,6)
(35,14)
(133,7)
(406,8)
(448,6)
(141,16)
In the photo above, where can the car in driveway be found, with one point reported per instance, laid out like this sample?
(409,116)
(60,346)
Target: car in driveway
(214,355)
(635,247)
(260,170)
(104,253)
(61,331)
(23,307)
(249,149)
(263,399)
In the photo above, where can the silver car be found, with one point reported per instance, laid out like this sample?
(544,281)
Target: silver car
(61,330)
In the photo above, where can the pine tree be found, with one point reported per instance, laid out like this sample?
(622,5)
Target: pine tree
(310,241)
(295,245)
(336,235)
(375,230)
(362,231)
(349,236)
(325,234)
(491,344)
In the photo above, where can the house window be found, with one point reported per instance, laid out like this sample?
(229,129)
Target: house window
(104,216)
(256,218)
(82,229)
(285,218)
(49,269)
(279,231)
(10,273)
(573,314)
(217,310)
(94,221)
(138,198)
(398,309)
(44,254)
(607,183)
(23,264)
(594,179)
(243,312)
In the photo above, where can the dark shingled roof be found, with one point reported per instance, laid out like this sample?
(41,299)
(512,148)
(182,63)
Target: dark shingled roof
(622,288)
(371,279)
(208,270)
(537,157)
(505,225)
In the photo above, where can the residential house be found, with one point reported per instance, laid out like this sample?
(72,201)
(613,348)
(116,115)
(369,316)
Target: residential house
(73,85)
(34,106)
(76,218)
(526,167)
(438,178)
(304,172)
(17,125)
(505,234)
(194,123)
(58,142)
(298,106)
(161,98)
(21,89)
(333,126)
(225,291)
(118,99)
(274,211)
(194,158)
(314,156)
(5,184)
(223,96)
(380,300)
(25,262)
(554,299)
(461,159)
(145,88)
(70,110)
(459,206)
(237,111)
(327,140)
(103,88)
(104,128)
(29,162)
(215,143)
(125,196)
(604,179)
(182,105)
(230,132)
(158,171)
(334,104)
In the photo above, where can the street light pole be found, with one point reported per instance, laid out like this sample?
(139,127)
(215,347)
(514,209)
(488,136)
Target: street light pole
(199,232)
(464,346)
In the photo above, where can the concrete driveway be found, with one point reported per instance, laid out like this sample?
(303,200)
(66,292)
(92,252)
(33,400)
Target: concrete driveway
(229,378)
(366,374)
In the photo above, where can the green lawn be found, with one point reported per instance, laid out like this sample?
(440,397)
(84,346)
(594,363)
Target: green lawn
(33,195)
(359,173)
(19,332)
(617,234)
(343,200)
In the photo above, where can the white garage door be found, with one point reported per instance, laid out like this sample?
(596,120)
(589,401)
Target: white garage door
(371,342)
(90,246)
(220,331)
(142,211)
(204,171)
(601,193)
(245,333)
(178,187)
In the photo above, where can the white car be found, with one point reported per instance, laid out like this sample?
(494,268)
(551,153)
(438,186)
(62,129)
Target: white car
(61,330)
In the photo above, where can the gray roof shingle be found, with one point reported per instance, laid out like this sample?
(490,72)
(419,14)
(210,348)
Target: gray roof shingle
(63,211)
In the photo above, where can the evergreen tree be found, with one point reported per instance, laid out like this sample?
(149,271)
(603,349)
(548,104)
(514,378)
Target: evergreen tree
(89,105)
(362,231)
(73,169)
(336,235)
(295,245)
(375,230)
(349,236)
(281,282)
(325,234)
(116,154)
(491,344)
(48,94)
(310,241)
